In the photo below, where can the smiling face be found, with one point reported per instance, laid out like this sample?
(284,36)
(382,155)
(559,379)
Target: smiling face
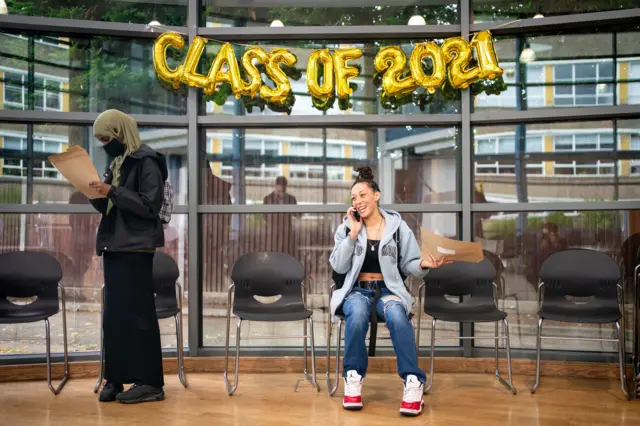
(364,199)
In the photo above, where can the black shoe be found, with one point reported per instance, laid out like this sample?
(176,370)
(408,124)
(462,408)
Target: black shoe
(110,391)
(141,393)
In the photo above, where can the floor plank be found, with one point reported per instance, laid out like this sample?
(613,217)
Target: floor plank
(269,399)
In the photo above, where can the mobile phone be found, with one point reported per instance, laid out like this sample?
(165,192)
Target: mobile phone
(356,215)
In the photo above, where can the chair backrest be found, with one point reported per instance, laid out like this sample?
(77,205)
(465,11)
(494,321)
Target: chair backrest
(267,274)
(580,273)
(495,261)
(27,274)
(461,279)
(630,254)
(165,274)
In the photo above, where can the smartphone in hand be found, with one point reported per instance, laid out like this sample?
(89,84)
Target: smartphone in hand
(356,215)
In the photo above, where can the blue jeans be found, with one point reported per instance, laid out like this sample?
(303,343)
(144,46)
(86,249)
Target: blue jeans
(357,311)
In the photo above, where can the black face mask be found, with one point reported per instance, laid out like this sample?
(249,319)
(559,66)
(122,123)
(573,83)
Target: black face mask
(114,148)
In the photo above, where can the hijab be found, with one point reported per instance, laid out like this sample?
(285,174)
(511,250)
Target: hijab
(124,129)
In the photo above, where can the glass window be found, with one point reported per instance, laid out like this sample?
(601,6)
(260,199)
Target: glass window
(49,186)
(560,162)
(218,13)
(416,165)
(522,242)
(167,12)
(365,99)
(89,74)
(565,70)
(71,239)
(506,10)
(309,237)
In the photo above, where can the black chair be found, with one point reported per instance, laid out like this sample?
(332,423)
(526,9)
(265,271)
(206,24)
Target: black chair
(25,274)
(373,333)
(268,274)
(501,283)
(593,277)
(168,304)
(473,284)
(630,261)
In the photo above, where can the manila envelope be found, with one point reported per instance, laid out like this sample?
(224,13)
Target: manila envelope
(454,250)
(76,166)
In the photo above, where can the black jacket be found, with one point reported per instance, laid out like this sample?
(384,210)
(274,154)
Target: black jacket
(133,222)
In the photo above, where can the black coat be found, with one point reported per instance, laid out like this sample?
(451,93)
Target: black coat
(133,222)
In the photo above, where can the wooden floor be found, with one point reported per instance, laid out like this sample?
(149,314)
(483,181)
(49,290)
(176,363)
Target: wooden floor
(269,399)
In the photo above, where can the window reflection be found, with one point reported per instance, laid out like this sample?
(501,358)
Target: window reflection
(88,74)
(47,185)
(413,165)
(523,241)
(585,161)
(504,10)
(566,70)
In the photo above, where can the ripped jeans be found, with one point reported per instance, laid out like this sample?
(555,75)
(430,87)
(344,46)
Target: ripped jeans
(357,311)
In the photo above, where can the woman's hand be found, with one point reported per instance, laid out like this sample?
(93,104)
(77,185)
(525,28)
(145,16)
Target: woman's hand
(101,187)
(432,263)
(354,225)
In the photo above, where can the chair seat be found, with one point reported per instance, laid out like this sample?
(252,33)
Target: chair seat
(465,312)
(275,314)
(593,313)
(36,311)
(167,313)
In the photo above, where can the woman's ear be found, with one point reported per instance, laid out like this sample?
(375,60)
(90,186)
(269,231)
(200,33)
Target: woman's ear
(376,196)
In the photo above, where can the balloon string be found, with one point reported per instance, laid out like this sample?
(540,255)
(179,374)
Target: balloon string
(166,28)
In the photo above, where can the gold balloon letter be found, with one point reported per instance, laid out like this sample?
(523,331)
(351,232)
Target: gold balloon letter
(255,79)
(394,61)
(160,57)
(227,56)
(189,75)
(325,91)
(275,73)
(457,52)
(486,53)
(343,71)
(436,79)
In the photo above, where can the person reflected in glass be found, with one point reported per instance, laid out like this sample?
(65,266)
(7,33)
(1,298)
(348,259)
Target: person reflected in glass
(365,250)
(129,232)
(279,226)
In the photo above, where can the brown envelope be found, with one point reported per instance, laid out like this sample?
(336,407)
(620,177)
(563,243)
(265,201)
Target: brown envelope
(76,165)
(457,251)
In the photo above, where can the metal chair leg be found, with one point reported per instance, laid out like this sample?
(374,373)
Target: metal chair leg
(621,360)
(96,388)
(538,348)
(509,383)
(312,379)
(180,349)
(232,389)
(57,390)
(333,388)
(433,351)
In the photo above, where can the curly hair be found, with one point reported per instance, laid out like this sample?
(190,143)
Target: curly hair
(365,175)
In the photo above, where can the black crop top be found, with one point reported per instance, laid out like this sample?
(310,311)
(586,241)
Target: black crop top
(371,262)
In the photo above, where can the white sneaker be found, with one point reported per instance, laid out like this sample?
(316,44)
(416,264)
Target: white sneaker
(412,401)
(352,391)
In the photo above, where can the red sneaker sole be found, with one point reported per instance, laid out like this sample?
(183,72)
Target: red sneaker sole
(407,412)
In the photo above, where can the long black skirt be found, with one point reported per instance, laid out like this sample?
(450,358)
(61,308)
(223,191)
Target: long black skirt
(133,352)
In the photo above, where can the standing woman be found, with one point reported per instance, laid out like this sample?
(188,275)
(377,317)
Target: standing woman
(129,233)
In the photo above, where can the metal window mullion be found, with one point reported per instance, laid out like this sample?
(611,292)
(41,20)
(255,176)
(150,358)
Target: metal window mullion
(466,329)
(31,82)
(194,226)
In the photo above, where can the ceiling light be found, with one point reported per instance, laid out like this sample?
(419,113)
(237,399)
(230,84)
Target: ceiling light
(277,23)
(527,55)
(538,16)
(155,23)
(417,20)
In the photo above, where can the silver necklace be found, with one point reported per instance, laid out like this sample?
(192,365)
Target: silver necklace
(373,246)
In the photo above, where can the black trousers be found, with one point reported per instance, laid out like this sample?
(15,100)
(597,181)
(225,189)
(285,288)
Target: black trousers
(132,348)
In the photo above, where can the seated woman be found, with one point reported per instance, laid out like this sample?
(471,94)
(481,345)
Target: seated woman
(365,250)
